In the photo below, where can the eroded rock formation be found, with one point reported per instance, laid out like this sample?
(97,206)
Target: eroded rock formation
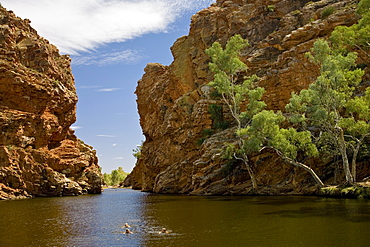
(173,100)
(39,153)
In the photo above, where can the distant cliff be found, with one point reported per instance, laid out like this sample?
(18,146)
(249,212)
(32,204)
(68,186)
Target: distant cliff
(39,153)
(173,101)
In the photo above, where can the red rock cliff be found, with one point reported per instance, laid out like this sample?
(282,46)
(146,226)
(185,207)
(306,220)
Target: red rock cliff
(173,100)
(39,153)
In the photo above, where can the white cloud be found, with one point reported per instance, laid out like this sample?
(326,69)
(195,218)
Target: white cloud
(108,89)
(115,57)
(109,136)
(88,87)
(76,127)
(83,25)
(119,158)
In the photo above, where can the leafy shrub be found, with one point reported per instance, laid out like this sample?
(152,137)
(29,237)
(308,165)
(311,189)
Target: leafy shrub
(215,94)
(207,132)
(217,116)
(200,141)
(327,11)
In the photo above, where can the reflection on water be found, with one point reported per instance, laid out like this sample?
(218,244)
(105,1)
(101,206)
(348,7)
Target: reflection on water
(97,220)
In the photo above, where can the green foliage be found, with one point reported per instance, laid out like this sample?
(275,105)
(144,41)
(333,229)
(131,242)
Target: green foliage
(215,94)
(216,113)
(107,178)
(10,147)
(229,151)
(228,79)
(330,104)
(327,147)
(205,134)
(290,141)
(323,101)
(265,131)
(137,151)
(271,8)
(200,141)
(115,177)
(358,35)
(327,11)
(264,126)
(296,12)
(308,3)
(256,128)
(363,8)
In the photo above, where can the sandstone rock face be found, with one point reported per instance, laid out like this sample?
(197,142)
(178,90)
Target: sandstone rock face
(173,100)
(39,153)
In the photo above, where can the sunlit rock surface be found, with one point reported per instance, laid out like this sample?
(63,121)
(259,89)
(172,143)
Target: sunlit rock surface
(39,153)
(173,100)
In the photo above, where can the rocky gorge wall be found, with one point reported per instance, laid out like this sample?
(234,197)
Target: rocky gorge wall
(39,153)
(173,100)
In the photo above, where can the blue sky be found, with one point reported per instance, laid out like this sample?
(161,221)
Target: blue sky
(110,42)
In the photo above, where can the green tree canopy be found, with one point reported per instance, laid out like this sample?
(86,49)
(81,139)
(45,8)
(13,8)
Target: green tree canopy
(236,89)
(357,35)
(116,177)
(256,128)
(230,81)
(326,100)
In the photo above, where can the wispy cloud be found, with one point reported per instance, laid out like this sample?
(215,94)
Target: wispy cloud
(88,87)
(76,127)
(108,136)
(108,89)
(119,158)
(102,59)
(77,26)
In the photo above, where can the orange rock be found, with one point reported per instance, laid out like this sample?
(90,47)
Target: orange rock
(39,153)
(173,100)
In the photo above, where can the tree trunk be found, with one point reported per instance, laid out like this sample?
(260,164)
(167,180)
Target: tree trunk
(307,168)
(251,174)
(343,151)
(355,153)
(249,169)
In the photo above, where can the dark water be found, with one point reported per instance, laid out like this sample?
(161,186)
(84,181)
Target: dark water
(97,220)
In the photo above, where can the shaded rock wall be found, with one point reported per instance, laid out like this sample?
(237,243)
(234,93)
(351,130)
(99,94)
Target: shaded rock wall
(173,100)
(39,153)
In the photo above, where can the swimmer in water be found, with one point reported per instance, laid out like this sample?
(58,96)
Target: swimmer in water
(127,225)
(128,231)
(164,230)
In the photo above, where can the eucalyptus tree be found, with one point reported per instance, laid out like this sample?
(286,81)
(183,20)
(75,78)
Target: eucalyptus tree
(256,128)
(357,125)
(236,90)
(265,132)
(355,36)
(324,103)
